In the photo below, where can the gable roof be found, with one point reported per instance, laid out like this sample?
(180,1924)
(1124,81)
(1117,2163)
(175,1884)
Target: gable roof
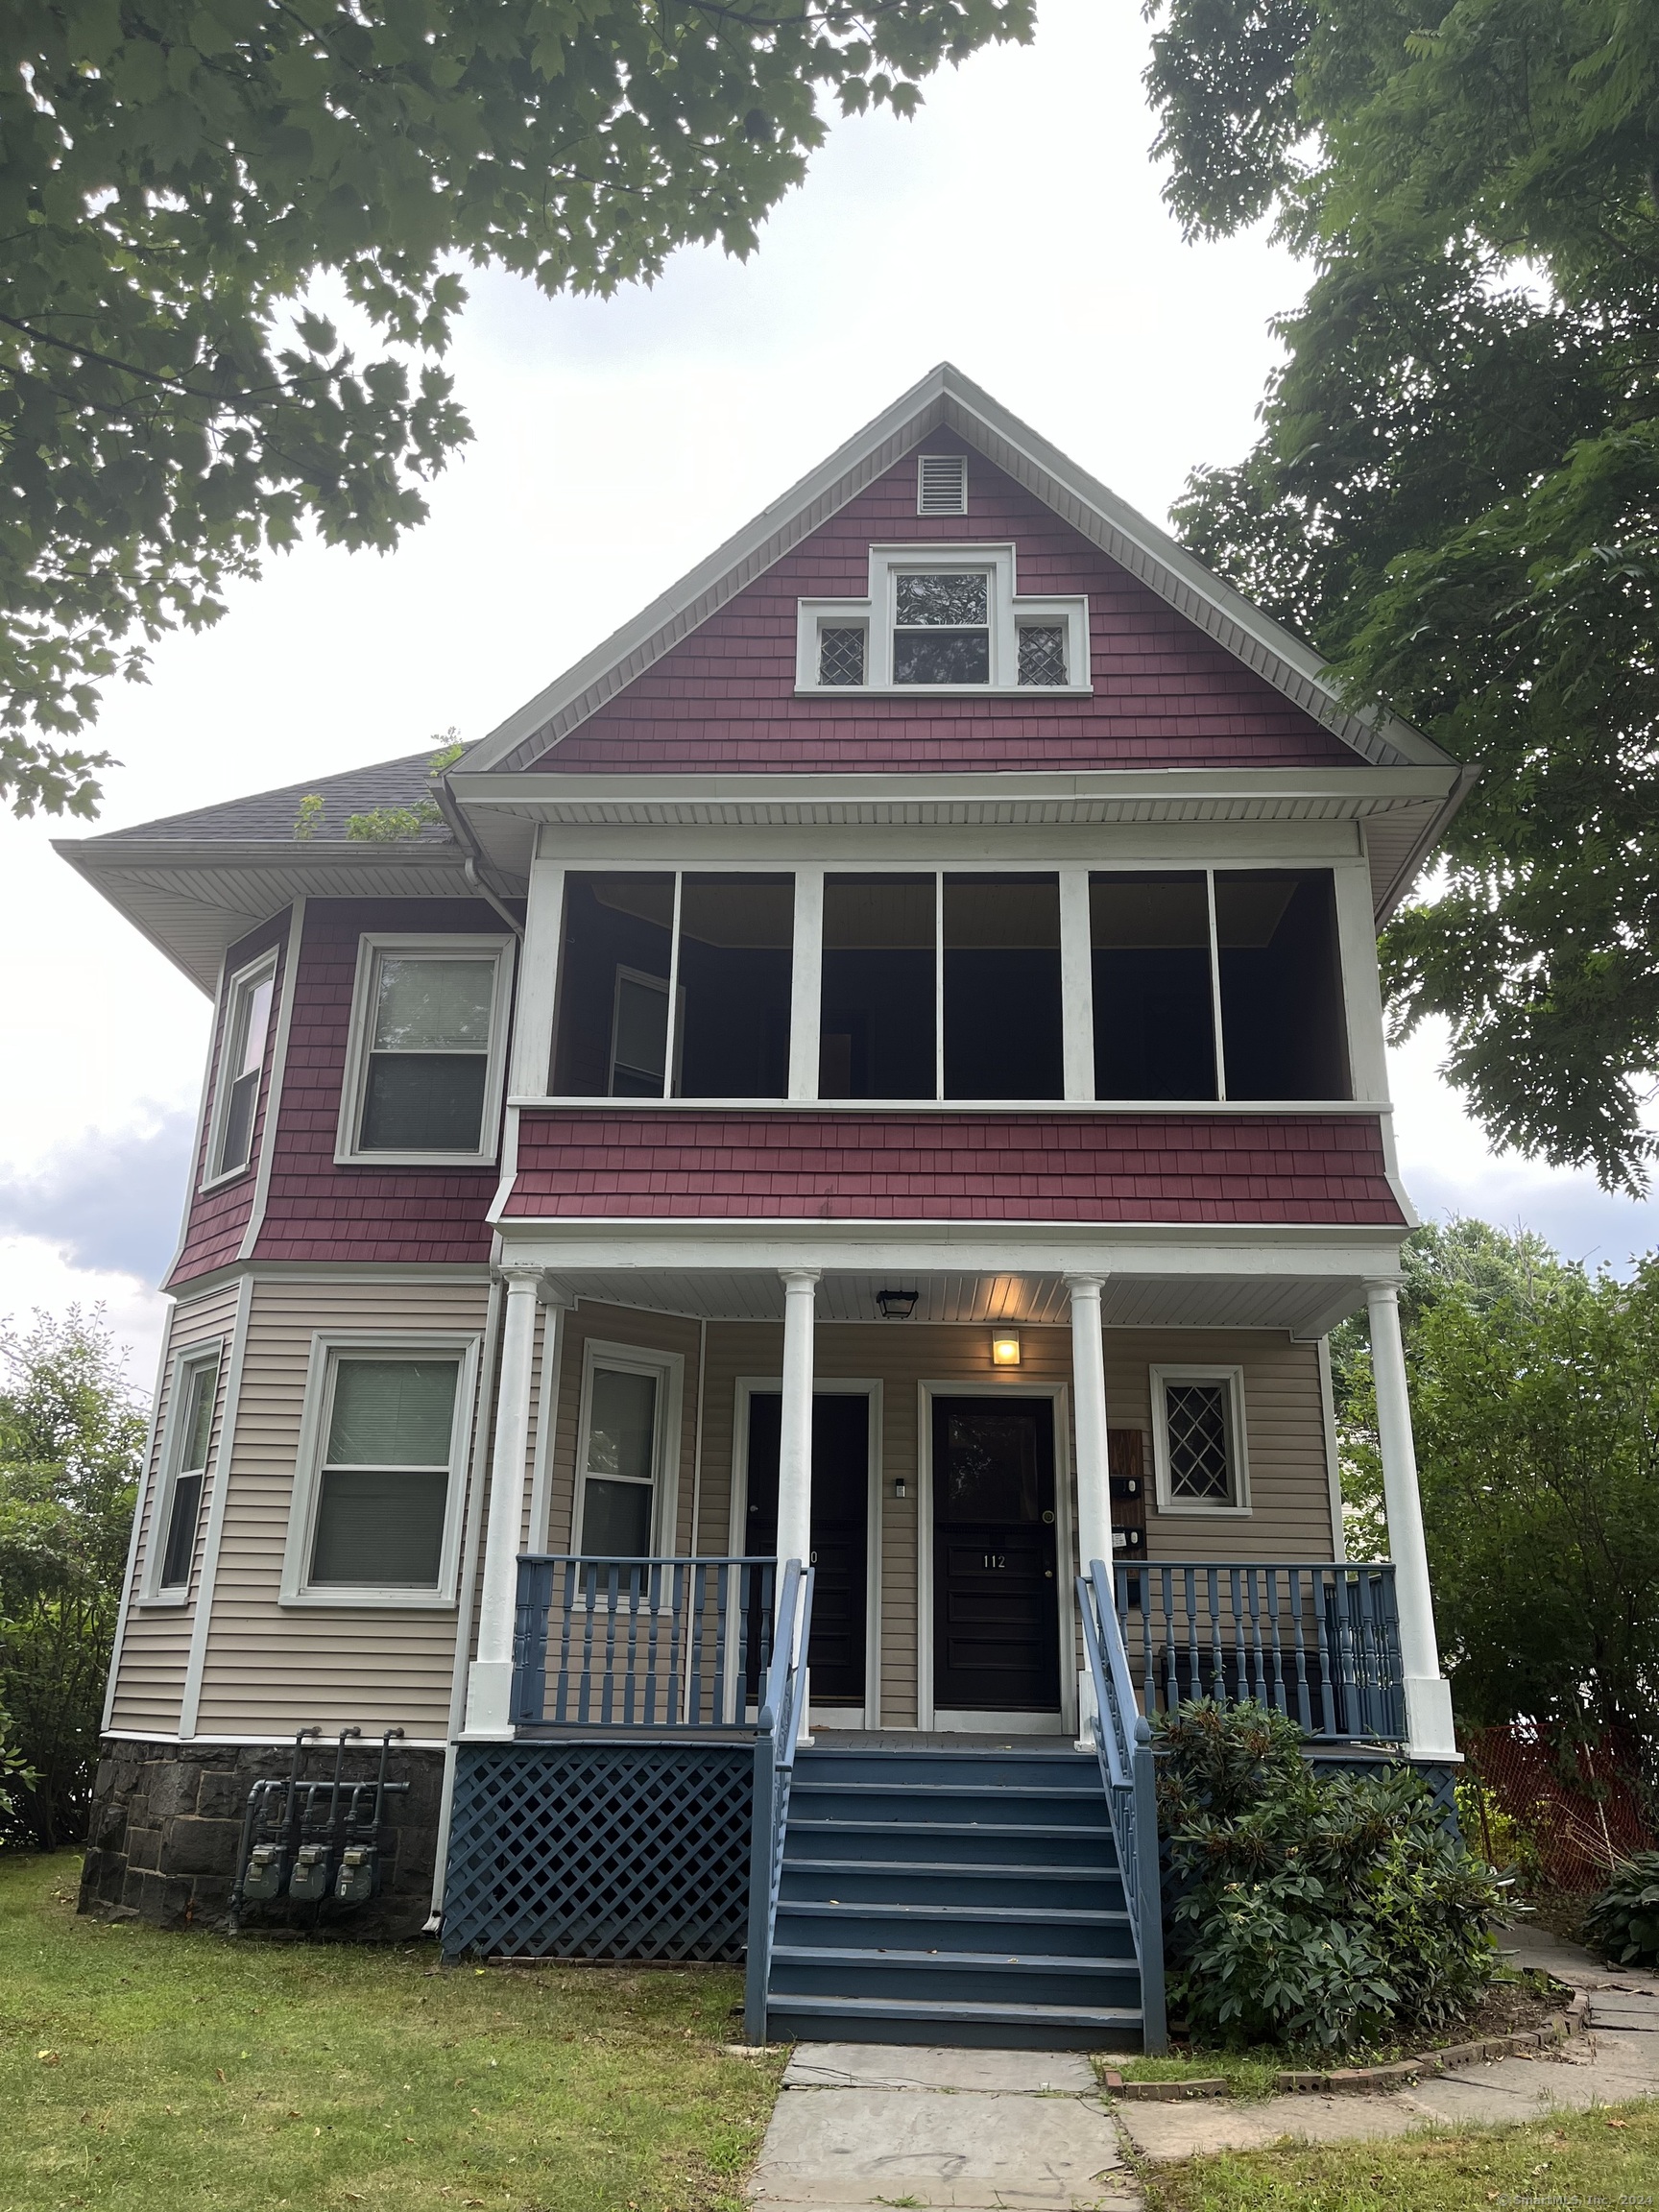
(947,400)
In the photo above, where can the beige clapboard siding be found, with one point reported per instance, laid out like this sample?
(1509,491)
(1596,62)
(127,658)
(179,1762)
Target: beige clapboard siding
(155,1646)
(272,1669)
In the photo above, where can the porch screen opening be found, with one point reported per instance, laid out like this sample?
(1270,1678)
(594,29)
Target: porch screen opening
(726,1034)
(612,1032)
(1282,1034)
(736,958)
(619,1464)
(877,1030)
(383,1487)
(428,1053)
(1002,1002)
(1154,1011)
(184,1512)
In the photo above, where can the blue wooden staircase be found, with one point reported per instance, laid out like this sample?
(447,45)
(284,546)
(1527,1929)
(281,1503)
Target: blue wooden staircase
(953,1896)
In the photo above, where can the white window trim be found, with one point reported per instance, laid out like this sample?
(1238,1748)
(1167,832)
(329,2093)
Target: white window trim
(187,1364)
(348,1153)
(248,980)
(876,611)
(1238,1507)
(327,1347)
(670,1370)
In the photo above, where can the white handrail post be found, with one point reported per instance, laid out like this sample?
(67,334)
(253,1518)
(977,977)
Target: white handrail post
(1428,1694)
(1094,1473)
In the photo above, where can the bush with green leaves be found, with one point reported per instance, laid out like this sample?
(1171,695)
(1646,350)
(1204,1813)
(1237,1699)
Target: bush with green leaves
(1623,1923)
(1310,1910)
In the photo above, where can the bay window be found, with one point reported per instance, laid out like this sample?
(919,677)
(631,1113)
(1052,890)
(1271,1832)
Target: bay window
(424,1063)
(241,1068)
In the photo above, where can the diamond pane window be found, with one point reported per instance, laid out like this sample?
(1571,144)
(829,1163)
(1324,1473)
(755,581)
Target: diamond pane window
(1042,655)
(942,630)
(1196,1416)
(840,656)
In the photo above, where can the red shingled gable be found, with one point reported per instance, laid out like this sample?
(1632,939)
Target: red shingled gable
(1284,1168)
(1166,695)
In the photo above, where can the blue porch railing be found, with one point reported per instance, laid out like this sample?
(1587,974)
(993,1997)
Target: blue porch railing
(774,1771)
(660,1644)
(1122,1739)
(1320,1642)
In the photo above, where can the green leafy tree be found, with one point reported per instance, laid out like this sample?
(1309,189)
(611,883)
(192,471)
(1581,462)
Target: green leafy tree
(185,184)
(1535,1397)
(1456,492)
(71,1443)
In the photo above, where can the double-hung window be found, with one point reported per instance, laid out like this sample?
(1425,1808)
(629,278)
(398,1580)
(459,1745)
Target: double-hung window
(428,1032)
(241,1068)
(623,1492)
(377,1509)
(1198,1440)
(943,617)
(185,1453)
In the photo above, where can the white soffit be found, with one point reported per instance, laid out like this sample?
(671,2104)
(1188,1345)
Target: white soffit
(946,398)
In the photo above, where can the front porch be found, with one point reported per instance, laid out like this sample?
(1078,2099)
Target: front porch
(893,1751)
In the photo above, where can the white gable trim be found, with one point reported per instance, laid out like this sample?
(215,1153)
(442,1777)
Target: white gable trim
(946,398)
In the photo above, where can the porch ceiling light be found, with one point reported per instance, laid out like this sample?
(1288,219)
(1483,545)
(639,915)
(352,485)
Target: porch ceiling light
(1005,1348)
(897,1304)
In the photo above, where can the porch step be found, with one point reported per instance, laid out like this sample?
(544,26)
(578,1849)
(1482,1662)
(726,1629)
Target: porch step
(965,2026)
(953,1896)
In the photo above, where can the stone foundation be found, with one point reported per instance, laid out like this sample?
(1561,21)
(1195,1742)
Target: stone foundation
(166,1828)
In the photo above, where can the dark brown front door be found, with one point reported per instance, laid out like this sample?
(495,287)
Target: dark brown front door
(840,1529)
(996,1592)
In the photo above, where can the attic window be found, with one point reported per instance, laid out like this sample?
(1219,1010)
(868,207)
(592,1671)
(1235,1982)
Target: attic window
(942,484)
(941,617)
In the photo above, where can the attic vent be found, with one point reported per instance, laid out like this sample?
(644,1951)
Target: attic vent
(942,484)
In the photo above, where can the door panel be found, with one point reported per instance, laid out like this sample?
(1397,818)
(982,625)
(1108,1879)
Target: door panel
(996,1589)
(840,1529)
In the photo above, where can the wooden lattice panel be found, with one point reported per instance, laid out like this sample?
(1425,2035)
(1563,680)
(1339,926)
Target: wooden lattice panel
(599,1851)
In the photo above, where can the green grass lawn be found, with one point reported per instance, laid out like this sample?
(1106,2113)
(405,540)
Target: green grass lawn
(1583,2160)
(147,2072)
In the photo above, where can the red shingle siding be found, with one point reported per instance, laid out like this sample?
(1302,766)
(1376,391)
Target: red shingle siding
(1288,1167)
(315,1210)
(217,1219)
(1166,695)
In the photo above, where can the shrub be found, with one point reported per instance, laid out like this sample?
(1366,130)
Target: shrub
(1623,1923)
(1310,1910)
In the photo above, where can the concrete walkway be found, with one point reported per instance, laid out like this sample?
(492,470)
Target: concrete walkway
(1618,2059)
(866,2125)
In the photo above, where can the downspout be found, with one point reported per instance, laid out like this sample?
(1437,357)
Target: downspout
(472,858)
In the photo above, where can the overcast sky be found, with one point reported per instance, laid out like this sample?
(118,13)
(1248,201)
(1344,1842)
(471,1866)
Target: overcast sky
(1014,228)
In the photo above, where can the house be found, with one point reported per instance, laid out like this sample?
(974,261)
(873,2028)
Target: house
(713,1212)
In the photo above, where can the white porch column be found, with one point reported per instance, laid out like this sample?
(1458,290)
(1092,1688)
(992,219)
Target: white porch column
(795,1439)
(489,1678)
(1088,1414)
(1428,1694)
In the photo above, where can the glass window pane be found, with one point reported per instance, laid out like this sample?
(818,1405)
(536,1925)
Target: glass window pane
(1002,1004)
(423,1102)
(639,1047)
(615,926)
(236,1142)
(1154,1011)
(1199,1456)
(737,939)
(199,1418)
(1283,1032)
(622,1424)
(254,1021)
(991,1467)
(945,601)
(840,656)
(1042,655)
(617,1519)
(430,1005)
(941,657)
(179,1553)
(392,1413)
(875,1033)
(381,1525)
